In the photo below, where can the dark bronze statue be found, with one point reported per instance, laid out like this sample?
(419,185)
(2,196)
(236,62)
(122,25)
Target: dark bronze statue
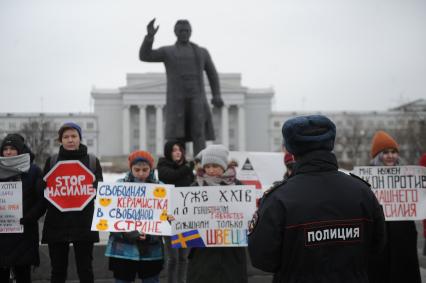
(188,116)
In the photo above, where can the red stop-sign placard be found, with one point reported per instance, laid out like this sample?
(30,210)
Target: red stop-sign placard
(69,185)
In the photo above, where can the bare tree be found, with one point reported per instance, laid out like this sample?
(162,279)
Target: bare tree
(411,136)
(37,133)
(353,138)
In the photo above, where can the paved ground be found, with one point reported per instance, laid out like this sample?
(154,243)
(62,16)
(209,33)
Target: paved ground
(41,274)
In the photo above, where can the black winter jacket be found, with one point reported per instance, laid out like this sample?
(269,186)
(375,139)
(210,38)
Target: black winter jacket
(218,265)
(72,225)
(169,172)
(22,248)
(320,225)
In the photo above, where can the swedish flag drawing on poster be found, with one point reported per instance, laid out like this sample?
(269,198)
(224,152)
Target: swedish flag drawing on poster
(187,239)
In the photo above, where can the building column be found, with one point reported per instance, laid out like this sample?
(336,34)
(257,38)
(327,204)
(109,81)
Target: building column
(225,126)
(142,127)
(159,143)
(126,129)
(241,128)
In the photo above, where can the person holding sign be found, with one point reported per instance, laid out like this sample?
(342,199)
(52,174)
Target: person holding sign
(63,227)
(221,264)
(133,253)
(18,251)
(319,225)
(399,261)
(422,162)
(174,169)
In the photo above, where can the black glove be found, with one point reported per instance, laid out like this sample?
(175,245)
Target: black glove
(25,221)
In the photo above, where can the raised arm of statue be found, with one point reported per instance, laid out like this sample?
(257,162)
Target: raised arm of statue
(213,81)
(146,53)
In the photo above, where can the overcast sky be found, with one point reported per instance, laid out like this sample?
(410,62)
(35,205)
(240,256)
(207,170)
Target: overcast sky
(316,54)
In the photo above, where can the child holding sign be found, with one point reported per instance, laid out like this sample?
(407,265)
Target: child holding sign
(220,264)
(132,253)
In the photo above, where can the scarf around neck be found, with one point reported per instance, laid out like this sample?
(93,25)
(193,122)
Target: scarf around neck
(14,165)
(228,178)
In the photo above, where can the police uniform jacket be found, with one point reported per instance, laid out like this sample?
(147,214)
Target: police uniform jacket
(320,225)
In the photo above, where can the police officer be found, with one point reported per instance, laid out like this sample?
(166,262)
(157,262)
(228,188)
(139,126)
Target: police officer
(319,225)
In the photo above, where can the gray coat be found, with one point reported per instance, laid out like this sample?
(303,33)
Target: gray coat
(187,111)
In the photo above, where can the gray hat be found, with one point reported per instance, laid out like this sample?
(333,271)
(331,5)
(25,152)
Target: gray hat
(215,154)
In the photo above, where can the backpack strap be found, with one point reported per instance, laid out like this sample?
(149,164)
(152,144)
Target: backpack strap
(53,160)
(92,162)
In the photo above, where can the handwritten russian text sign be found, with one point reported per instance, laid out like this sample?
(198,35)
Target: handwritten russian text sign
(11,207)
(212,216)
(401,190)
(124,207)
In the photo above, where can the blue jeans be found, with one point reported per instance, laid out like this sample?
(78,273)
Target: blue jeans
(153,279)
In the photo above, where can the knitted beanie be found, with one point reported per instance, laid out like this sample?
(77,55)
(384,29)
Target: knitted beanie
(382,141)
(215,154)
(308,133)
(288,158)
(67,126)
(422,161)
(14,140)
(141,156)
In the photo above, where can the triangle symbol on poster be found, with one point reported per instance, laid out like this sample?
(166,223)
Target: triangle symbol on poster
(247,166)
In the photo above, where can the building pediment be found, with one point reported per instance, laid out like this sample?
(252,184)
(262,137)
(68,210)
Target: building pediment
(157,86)
(161,86)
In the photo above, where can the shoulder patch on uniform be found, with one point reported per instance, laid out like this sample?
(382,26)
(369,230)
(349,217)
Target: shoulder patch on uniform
(253,222)
(359,178)
(274,186)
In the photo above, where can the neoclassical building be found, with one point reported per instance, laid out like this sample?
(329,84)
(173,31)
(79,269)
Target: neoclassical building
(132,117)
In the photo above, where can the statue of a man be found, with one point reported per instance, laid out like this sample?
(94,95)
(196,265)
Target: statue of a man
(188,116)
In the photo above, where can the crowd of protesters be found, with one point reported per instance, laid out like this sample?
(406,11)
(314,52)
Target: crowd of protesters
(387,253)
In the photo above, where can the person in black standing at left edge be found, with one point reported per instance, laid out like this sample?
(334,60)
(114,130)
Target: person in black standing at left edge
(63,228)
(19,251)
(319,225)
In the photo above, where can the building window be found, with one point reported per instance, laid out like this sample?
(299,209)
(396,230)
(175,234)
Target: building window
(277,124)
(89,142)
(90,125)
(231,133)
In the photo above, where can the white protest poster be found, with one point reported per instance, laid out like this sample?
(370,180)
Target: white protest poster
(211,216)
(266,167)
(11,207)
(401,190)
(125,207)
